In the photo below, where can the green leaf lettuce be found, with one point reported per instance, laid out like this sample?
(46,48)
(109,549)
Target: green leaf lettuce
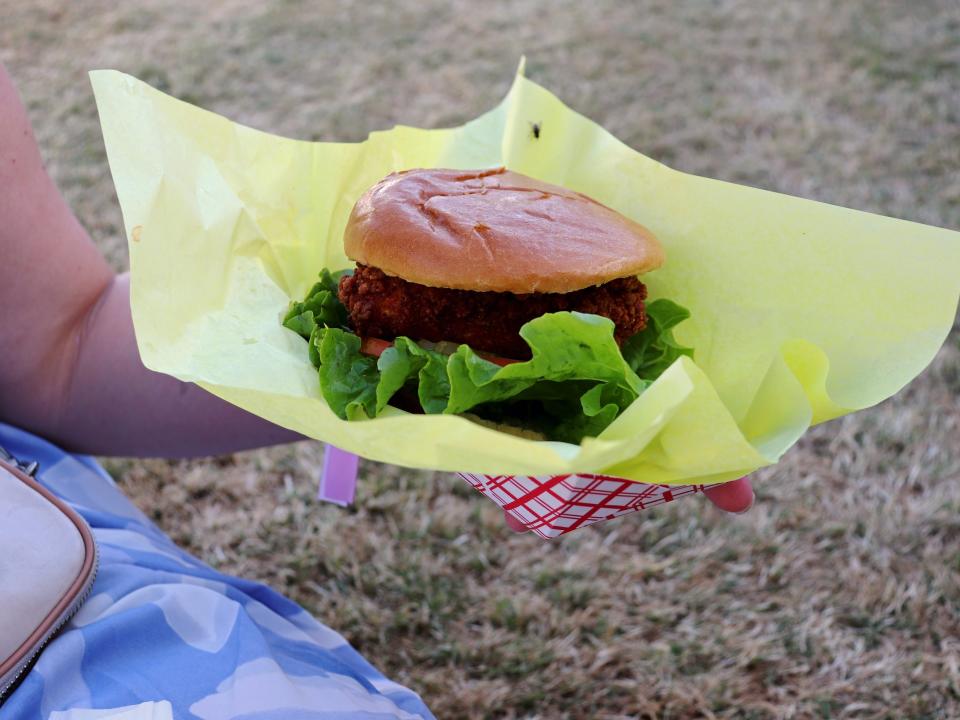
(576,383)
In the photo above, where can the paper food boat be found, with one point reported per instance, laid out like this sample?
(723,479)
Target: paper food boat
(551,505)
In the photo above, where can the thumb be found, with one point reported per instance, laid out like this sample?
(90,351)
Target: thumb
(735,496)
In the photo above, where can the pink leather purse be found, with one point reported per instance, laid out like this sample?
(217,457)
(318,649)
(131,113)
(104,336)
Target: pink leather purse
(48,561)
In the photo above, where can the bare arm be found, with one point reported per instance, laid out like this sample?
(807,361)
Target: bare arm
(69,366)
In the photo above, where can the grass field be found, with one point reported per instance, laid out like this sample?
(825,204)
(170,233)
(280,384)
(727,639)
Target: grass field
(838,596)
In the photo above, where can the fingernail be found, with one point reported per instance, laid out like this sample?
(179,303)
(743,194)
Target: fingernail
(753,496)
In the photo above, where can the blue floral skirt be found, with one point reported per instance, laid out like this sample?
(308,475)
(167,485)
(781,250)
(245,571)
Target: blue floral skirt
(164,636)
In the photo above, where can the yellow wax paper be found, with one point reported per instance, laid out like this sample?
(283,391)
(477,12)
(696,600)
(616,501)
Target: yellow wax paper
(801,311)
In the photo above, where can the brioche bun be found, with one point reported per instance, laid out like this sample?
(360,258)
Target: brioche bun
(494,231)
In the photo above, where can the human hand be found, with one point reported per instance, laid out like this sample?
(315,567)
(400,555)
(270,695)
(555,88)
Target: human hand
(735,496)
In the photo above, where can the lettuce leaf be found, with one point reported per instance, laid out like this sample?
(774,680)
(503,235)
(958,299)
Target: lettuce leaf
(576,383)
(322,306)
(348,379)
(403,362)
(565,346)
(654,349)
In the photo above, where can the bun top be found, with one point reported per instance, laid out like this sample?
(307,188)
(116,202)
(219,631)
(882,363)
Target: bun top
(494,230)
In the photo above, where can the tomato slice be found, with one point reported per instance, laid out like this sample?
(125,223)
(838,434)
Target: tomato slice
(501,361)
(375,346)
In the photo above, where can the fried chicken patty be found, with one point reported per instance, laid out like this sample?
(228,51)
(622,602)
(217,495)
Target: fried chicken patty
(384,306)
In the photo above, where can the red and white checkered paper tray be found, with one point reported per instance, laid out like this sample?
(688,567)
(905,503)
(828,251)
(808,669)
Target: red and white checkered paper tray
(551,505)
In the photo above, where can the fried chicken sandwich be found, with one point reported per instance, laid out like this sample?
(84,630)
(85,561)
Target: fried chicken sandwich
(489,293)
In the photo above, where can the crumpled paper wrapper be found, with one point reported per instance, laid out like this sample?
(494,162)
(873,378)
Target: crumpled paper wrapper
(801,311)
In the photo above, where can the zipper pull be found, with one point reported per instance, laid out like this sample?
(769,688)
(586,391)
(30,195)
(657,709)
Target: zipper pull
(27,468)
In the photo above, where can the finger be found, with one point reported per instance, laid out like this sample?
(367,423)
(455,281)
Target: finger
(513,523)
(735,496)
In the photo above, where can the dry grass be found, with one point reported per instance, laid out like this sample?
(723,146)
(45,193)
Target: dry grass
(837,597)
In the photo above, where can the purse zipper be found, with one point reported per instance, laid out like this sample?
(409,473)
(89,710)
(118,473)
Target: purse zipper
(30,468)
(67,616)
(27,468)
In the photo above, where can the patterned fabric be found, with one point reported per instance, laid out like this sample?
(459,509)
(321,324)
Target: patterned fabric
(167,634)
(551,505)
